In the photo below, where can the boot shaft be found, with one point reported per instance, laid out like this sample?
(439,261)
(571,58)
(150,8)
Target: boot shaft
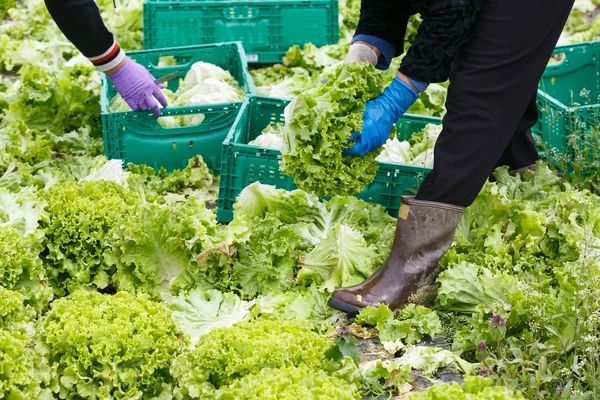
(425,229)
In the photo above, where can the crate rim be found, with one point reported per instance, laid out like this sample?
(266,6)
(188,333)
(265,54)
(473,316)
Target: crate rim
(546,98)
(552,68)
(563,47)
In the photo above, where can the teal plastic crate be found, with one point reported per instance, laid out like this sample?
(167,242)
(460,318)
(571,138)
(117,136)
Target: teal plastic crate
(267,28)
(569,96)
(244,164)
(137,136)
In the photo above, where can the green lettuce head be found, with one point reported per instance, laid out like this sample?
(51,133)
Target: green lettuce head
(318,124)
(118,347)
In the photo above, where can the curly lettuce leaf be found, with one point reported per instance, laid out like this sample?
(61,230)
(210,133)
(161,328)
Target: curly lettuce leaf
(83,234)
(25,372)
(411,325)
(21,270)
(225,355)
(289,383)
(14,313)
(375,316)
(474,388)
(313,58)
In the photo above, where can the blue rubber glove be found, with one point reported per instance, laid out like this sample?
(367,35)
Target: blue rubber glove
(380,115)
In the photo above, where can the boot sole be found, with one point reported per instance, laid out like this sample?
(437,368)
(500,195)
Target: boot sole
(349,309)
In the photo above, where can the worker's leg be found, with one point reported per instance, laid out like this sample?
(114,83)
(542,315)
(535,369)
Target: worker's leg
(490,87)
(521,151)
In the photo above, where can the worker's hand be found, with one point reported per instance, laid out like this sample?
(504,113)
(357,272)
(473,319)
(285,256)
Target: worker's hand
(361,53)
(380,115)
(138,88)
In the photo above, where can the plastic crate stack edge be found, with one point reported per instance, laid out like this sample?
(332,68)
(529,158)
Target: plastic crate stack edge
(267,28)
(562,109)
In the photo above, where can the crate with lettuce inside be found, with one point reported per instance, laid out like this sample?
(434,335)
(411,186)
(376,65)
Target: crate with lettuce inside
(204,99)
(251,153)
(569,100)
(266,28)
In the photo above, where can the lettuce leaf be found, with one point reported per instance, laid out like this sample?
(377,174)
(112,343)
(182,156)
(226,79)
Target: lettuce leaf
(309,304)
(343,258)
(200,311)
(159,246)
(14,313)
(465,286)
(83,236)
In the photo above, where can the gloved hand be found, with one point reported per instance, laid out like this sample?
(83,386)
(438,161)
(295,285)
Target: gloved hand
(138,88)
(380,115)
(362,54)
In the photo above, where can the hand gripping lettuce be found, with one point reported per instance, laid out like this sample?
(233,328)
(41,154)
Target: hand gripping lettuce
(318,124)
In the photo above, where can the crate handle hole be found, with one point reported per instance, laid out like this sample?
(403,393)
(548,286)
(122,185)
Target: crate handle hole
(166,63)
(174,145)
(191,144)
(190,120)
(558,59)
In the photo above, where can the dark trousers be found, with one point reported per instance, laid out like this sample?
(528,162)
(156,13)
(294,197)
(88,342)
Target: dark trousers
(491,98)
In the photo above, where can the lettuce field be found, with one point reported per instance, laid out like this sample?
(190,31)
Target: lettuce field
(120,283)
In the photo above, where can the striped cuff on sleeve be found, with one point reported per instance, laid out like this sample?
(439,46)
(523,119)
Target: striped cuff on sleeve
(109,59)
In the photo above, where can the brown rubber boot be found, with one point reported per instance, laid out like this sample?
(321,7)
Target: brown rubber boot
(424,232)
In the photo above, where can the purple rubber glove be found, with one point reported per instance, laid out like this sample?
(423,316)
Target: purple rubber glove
(380,115)
(138,88)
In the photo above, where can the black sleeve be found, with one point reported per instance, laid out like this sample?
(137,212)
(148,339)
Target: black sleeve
(385,19)
(81,22)
(446,26)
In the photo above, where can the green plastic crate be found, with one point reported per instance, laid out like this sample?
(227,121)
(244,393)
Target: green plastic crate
(564,108)
(137,136)
(267,28)
(244,164)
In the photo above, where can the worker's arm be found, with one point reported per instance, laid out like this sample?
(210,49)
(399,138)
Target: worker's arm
(445,27)
(378,39)
(381,114)
(81,22)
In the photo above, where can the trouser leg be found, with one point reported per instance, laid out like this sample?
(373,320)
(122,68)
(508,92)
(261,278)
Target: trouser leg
(521,150)
(490,87)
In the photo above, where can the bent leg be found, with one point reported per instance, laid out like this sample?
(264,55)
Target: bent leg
(490,87)
(521,150)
